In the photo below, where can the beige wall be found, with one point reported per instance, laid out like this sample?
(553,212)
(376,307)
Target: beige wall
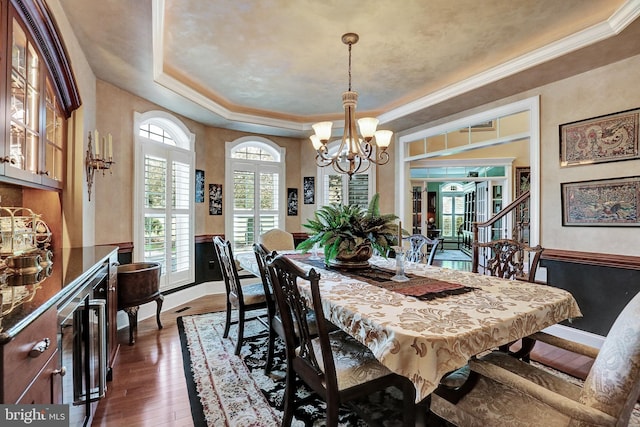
(601,91)
(114,191)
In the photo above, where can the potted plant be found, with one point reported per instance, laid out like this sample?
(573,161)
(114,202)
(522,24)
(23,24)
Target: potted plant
(349,233)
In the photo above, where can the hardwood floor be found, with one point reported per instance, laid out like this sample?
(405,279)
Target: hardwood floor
(149,388)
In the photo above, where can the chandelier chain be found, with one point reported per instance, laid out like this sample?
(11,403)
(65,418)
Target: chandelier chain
(350,44)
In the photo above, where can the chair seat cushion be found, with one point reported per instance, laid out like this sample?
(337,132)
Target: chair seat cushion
(253,293)
(538,376)
(355,363)
(491,403)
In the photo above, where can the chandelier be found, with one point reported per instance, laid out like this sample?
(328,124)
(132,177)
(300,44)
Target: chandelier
(355,154)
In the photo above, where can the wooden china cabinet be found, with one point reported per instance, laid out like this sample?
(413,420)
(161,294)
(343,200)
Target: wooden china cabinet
(37,96)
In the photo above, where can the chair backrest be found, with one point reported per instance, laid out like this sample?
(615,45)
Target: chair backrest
(613,383)
(293,308)
(510,259)
(277,240)
(417,242)
(262,257)
(229,269)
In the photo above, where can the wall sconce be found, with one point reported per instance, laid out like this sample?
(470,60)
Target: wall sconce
(97,160)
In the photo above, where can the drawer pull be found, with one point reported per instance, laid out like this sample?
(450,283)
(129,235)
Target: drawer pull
(62,371)
(40,348)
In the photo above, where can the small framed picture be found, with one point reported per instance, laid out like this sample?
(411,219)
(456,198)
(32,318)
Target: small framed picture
(309,189)
(199,186)
(292,201)
(523,180)
(215,199)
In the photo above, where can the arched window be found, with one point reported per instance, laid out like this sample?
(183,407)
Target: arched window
(163,196)
(255,196)
(338,188)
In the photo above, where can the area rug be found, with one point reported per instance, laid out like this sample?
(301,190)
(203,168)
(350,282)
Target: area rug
(229,390)
(451,255)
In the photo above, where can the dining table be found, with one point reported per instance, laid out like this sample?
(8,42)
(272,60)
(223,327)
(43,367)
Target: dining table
(432,324)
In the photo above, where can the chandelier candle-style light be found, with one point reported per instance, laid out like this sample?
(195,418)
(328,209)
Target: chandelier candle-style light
(355,154)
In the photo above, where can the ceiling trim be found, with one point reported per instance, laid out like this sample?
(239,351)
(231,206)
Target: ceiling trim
(616,23)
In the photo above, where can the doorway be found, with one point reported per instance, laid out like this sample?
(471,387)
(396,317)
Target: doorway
(463,144)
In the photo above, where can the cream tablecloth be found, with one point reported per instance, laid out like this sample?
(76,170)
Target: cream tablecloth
(424,340)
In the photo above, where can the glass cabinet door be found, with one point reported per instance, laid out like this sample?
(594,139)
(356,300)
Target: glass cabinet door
(54,137)
(25,105)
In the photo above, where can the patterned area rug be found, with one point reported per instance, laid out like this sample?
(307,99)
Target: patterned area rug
(227,390)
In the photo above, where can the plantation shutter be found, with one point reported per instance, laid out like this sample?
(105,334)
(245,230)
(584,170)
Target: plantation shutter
(337,188)
(167,228)
(256,199)
(359,190)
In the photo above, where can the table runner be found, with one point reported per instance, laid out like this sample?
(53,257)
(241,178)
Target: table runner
(423,288)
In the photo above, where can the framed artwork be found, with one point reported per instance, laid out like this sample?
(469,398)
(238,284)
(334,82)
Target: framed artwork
(600,139)
(523,180)
(292,201)
(309,190)
(215,199)
(199,186)
(605,202)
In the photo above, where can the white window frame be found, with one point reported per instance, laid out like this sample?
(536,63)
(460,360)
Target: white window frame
(325,171)
(278,152)
(183,151)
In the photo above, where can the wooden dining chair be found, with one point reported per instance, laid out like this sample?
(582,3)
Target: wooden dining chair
(509,259)
(336,366)
(275,320)
(417,244)
(243,298)
(511,392)
(277,240)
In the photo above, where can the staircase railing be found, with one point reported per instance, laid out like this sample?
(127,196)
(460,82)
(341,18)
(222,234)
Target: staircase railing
(519,209)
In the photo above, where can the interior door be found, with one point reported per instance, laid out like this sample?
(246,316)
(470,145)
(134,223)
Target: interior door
(482,215)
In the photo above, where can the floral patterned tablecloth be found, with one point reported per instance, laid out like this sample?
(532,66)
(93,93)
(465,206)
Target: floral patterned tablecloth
(424,340)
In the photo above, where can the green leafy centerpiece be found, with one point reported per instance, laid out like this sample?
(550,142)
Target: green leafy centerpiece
(349,233)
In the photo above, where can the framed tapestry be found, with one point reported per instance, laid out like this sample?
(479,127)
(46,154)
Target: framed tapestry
(215,199)
(292,201)
(309,190)
(605,202)
(609,138)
